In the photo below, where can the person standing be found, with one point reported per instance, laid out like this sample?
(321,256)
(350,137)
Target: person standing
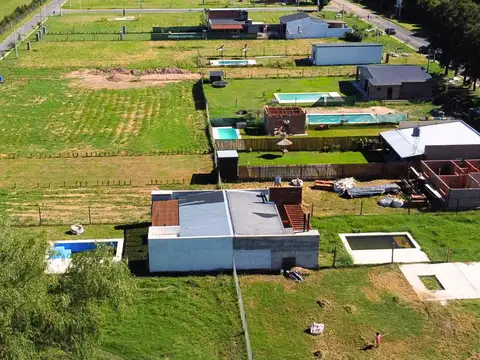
(378,339)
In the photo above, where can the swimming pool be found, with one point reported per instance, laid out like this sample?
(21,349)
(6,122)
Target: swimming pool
(376,248)
(226,133)
(306,97)
(59,256)
(331,119)
(233,62)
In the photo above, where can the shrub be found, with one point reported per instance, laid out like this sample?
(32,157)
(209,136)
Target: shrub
(357,35)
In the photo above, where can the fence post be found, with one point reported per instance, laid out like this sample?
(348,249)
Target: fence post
(311,212)
(39,215)
(89,215)
(393,249)
(361,207)
(334,256)
(448,254)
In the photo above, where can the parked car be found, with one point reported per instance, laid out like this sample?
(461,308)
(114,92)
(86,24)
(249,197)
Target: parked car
(390,31)
(424,49)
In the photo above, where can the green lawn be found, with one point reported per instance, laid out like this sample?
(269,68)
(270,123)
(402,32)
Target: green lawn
(40,112)
(52,233)
(435,232)
(356,304)
(255,93)
(300,158)
(176,318)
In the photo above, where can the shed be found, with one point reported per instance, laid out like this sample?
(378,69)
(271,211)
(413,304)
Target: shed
(215,76)
(346,54)
(291,118)
(302,26)
(387,82)
(441,141)
(228,164)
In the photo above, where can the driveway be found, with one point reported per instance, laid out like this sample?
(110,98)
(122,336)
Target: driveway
(402,34)
(21,32)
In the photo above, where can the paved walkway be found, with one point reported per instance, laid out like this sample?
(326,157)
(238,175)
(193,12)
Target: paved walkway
(402,34)
(459,280)
(51,8)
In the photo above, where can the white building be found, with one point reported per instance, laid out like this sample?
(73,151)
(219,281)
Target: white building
(346,54)
(206,230)
(302,26)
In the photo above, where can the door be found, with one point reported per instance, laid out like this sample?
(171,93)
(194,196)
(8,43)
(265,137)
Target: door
(289,262)
(389,93)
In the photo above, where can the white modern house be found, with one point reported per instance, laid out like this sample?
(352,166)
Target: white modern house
(346,54)
(302,26)
(208,230)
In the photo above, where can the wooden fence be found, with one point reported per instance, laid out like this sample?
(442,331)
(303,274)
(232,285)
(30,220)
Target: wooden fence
(350,143)
(324,171)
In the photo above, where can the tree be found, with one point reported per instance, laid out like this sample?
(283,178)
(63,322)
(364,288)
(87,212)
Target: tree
(54,316)
(357,35)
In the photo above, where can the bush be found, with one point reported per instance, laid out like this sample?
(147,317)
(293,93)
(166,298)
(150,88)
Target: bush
(357,35)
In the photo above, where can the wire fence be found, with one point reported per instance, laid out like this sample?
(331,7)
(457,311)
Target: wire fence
(243,316)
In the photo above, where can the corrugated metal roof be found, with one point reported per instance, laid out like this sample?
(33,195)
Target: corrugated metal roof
(203,213)
(251,216)
(383,75)
(293,17)
(455,133)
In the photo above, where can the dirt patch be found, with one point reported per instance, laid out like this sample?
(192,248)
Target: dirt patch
(120,78)
(390,281)
(377,110)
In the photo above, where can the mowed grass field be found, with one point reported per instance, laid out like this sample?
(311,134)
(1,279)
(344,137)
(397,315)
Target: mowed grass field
(145,4)
(176,318)
(356,304)
(8,6)
(300,158)
(253,94)
(44,113)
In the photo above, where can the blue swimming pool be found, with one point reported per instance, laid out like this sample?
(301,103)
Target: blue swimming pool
(227,134)
(331,119)
(291,98)
(65,250)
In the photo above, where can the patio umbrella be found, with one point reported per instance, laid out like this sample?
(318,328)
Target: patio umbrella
(282,143)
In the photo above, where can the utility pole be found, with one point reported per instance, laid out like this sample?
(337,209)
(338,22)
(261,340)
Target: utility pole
(14,39)
(60,6)
(378,29)
(343,12)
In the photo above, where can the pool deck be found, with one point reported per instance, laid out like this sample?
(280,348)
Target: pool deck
(216,135)
(324,95)
(459,280)
(384,256)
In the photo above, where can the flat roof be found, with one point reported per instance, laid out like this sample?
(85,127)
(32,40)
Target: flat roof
(453,133)
(348,45)
(251,215)
(293,17)
(203,213)
(227,154)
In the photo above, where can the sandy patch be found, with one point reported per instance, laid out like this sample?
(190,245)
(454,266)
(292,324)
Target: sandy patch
(377,110)
(120,79)
(390,281)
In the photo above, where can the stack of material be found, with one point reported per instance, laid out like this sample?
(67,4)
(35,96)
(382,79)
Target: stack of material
(372,190)
(324,185)
(340,186)
(317,329)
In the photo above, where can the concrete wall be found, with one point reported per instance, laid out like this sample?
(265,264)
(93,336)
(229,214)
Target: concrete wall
(311,28)
(190,254)
(347,55)
(304,248)
(451,152)
(381,92)
(253,259)
(416,90)
(465,198)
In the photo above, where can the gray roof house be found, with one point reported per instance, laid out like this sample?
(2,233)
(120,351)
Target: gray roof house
(302,26)
(391,82)
(209,230)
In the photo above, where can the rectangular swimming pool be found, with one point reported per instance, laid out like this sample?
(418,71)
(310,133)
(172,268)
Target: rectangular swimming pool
(59,255)
(306,97)
(233,62)
(376,248)
(333,119)
(226,133)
